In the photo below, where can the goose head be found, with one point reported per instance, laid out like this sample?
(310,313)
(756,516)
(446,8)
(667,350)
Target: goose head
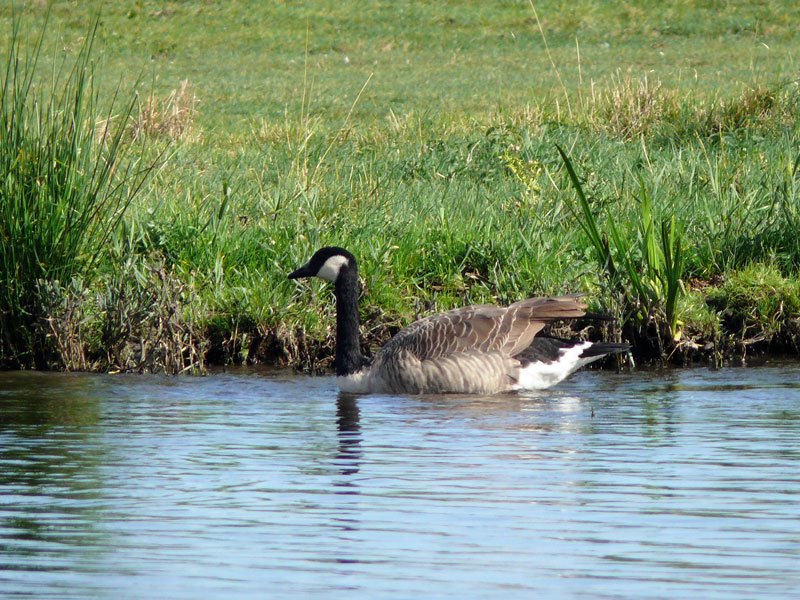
(328,263)
(339,266)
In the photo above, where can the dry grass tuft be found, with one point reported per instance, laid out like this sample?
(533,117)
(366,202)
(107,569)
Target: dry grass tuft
(145,329)
(757,107)
(171,117)
(67,320)
(135,322)
(635,107)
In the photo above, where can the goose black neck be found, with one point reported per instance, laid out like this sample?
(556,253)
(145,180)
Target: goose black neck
(348,339)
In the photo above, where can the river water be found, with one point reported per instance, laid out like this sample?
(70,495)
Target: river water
(672,484)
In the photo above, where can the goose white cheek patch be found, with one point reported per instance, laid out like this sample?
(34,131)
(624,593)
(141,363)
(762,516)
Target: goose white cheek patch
(330,269)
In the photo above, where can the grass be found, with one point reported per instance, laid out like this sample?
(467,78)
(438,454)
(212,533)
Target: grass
(759,304)
(641,263)
(424,138)
(65,187)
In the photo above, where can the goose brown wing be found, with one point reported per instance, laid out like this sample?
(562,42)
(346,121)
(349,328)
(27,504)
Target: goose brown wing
(483,328)
(528,317)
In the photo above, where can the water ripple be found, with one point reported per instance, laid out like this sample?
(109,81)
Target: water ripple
(658,485)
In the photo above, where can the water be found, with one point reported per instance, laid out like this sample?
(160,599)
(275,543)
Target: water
(661,485)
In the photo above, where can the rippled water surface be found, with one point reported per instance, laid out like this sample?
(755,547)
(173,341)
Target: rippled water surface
(662,485)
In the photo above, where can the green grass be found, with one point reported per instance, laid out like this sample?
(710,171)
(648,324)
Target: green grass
(424,138)
(759,304)
(467,57)
(66,183)
(641,264)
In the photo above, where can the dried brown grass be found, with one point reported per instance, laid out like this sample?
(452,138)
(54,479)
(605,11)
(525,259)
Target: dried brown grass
(172,117)
(635,107)
(135,321)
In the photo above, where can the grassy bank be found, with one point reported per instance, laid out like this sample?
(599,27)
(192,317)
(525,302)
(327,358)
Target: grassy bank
(426,139)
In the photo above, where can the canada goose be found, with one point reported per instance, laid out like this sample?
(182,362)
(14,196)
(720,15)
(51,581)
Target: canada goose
(482,349)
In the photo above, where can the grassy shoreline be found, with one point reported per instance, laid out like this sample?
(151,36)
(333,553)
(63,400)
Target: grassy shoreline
(677,214)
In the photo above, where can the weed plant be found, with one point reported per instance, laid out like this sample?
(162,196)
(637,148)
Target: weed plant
(641,263)
(66,184)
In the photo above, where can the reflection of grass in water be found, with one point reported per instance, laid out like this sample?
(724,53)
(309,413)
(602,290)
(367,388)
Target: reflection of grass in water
(38,402)
(443,177)
(47,431)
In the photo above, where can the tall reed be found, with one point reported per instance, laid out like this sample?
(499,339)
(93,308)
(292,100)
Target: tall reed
(67,179)
(641,262)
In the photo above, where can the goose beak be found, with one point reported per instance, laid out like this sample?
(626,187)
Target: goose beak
(303,271)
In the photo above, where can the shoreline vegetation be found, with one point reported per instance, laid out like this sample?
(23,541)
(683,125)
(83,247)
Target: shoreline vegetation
(156,194)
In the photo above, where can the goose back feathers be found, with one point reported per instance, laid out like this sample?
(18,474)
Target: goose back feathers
(470,350)
(481,349)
